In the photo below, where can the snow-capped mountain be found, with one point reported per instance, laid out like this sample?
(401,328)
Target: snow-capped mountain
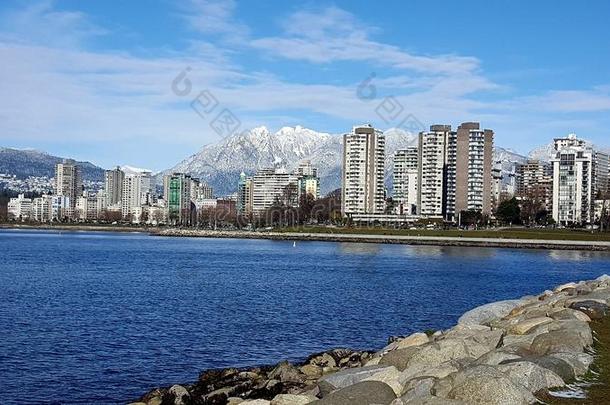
(134,170)
(219,164)
(543,153)
(506,159)
(23,163)
(546,152)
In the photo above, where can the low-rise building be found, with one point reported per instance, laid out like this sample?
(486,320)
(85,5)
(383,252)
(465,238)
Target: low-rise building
(19,208)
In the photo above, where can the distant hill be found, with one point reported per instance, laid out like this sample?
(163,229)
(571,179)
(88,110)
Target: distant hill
(24,163)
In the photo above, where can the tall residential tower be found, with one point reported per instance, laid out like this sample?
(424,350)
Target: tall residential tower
(68,181)
(405,179)
(363,171)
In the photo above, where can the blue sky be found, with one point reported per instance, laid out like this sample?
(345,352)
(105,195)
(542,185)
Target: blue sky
(93,79)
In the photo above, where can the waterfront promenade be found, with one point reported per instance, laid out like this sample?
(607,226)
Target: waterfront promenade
(397,239)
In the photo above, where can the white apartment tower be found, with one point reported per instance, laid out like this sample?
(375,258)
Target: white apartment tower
(572,181)
(363,171)
(19,208)
(135,192)
(68,181)
(405,179)
(432,186)
(272,186)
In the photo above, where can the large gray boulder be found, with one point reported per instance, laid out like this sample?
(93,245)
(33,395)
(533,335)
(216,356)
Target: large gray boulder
(485,385)
(579,362)
(531,375)
(416,339)
(486,313)
(561,340)
(417,388)
(495,357)
(362,393)
(399,358)
(524,326)
(555,364)
(443,351)
(567,314)
(479,334)
(440,371)
(347,377)
(390,376)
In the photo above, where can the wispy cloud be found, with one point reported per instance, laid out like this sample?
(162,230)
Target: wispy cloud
(573,100)
(215,17)
(39,22)
(332,34)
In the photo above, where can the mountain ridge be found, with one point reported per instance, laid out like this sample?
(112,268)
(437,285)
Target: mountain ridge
(24,163)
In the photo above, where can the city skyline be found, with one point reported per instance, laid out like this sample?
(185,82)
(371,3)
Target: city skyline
(102,78)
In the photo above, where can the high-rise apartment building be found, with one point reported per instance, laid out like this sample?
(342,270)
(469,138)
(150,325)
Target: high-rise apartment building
(601,166)
(200,190)
(244,195)
(406,172)
(534,182)
(496,187)
(177,195)
(113,186)
(274,186)
(363,189)
(573,184)
(68,181)
(432,173)
(455,170)
(473,168)
(42,208)
(309,182)
(135,193)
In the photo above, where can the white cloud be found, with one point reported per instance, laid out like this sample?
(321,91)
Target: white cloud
(333,34)
(573,101)
(40,23)
(214,17)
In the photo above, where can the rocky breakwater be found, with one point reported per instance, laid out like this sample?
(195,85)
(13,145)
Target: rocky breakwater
(507,352)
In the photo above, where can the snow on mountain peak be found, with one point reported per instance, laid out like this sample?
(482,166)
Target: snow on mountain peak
(134,170)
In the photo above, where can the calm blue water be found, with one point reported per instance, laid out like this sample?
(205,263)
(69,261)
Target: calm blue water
(102,318)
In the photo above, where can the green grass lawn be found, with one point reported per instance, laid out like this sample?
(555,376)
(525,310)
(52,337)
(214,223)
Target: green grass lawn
(517,233)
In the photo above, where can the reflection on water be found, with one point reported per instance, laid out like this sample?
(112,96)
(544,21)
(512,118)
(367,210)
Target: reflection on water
(360,248)
(576,255)
(448,251)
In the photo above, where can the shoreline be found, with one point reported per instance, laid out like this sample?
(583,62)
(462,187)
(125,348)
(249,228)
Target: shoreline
(518,351)
(600,246)
(451,241)
(78,228)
